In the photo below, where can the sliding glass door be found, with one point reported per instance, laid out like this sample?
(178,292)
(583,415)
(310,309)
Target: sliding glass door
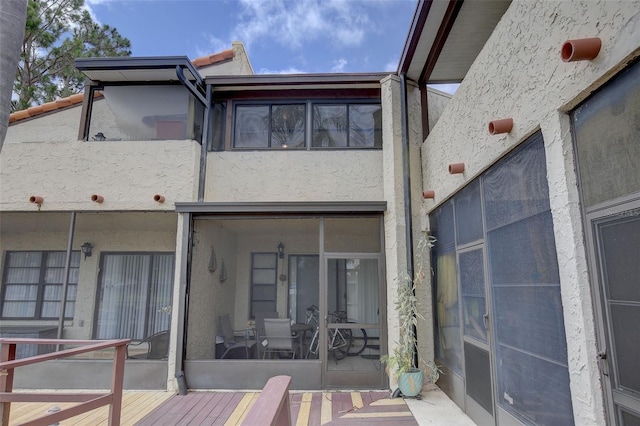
(134,298)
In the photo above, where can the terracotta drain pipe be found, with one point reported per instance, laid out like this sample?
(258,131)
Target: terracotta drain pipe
(429,194)
(97,198)
(582,49)
(456,168)
(158,198)
(500,126)
(36,199)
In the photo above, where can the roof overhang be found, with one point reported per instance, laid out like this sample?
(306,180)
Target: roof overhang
(132,69)
(284,207)
(296,81)
(446,36)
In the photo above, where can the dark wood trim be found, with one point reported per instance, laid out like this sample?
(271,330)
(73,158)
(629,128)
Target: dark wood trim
(424,108)
(314,207)
(441,37)
(87,106)
(301,94)
(413,38)
(297,79)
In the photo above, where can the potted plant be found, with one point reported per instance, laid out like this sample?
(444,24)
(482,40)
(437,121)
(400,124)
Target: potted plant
(401,363)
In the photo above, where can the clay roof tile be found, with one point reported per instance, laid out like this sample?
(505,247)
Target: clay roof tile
(204,61)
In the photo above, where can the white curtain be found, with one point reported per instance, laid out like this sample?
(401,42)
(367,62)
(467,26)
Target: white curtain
(368,291)
(135,299)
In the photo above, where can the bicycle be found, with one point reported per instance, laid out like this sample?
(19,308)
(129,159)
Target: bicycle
(341,341)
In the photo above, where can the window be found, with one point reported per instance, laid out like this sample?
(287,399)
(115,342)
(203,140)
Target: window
(284,126)
(344,125)
(270,126)
(134,299)
(263,282)
(32,285)
(137,112)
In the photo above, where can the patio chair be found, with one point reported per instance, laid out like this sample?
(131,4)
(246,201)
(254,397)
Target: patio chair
(260,333)
(279,338)
(232,340)
(157,346)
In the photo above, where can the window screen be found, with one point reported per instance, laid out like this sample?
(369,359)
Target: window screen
(448,343)
(530,343)
(606,140)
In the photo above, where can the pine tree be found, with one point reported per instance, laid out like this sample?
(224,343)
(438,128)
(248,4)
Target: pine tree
(57,32)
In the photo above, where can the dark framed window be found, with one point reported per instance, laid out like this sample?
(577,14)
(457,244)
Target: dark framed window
(270,126)
(311,124)
(134,296)
(264,267)
(32,284)
(347,125)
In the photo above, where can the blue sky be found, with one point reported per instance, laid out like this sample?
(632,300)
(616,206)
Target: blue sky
(280,36)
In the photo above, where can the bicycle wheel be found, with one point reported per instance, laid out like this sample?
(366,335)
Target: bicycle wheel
(358,341)
(342,343)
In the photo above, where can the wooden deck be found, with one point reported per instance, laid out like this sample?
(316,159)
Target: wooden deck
(230,408)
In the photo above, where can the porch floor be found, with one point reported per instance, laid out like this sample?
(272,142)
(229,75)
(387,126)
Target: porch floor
(230,408)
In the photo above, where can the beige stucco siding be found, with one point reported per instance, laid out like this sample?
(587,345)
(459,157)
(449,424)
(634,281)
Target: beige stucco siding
(127,174)
(520,74)
(57,126)
(437,101)
(337,175)
(239,65)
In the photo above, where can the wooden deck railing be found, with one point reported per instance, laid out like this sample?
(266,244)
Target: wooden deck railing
(272,406)
(88,401)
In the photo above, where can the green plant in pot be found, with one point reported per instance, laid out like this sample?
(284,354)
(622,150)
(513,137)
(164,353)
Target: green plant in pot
(401,363)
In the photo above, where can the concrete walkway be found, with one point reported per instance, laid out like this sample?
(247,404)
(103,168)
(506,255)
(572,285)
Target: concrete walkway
(436,409)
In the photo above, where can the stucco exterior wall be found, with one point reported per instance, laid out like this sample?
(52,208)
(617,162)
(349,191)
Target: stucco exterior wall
(57,126)
(239,65)
(394,220)
(126,174)
(209,297)
(437,101)
(338,175)
(520,74)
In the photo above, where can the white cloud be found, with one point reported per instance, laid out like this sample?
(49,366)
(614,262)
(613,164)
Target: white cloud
(391,66)
(338,65)
(291,23)
(213,45)
(447,88)
(290,70)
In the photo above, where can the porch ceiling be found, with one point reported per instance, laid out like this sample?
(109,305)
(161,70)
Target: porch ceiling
(446,36)
(56,221)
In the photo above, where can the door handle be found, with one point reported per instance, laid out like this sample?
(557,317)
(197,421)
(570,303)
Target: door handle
(485,319)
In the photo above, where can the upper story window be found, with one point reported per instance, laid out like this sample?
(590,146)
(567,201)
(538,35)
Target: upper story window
(307,125)
(270,126)
(145,112)
(347,125)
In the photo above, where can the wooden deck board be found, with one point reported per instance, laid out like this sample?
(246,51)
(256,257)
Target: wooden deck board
(135,405)
(229,408)
(316,409)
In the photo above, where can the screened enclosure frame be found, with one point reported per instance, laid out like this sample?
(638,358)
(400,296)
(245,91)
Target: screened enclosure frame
(509,268)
